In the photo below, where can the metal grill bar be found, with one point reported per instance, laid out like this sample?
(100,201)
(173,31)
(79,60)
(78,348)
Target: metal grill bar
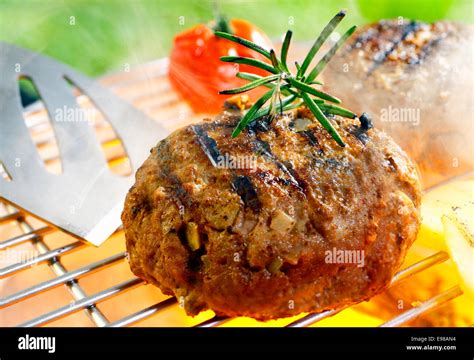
(420,266)
(215,321)
(10,217)
(63,279)
(314,318)
(143,314)
(56,266)
(83,303)
(29,236)
(51,254)
(426,306)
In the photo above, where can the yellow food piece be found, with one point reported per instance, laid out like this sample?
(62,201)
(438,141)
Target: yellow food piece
(437,203)
(275,265)
(239,101)
(192,236)
(459,226)
(430,240)
(282,222)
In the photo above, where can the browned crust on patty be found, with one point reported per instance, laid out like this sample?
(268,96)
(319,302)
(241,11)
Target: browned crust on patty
(415,80)
(399,41)
(362,197)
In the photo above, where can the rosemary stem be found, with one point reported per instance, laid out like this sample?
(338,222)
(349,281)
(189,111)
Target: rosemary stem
(298,88)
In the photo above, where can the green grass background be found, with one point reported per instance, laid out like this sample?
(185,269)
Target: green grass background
(109,34)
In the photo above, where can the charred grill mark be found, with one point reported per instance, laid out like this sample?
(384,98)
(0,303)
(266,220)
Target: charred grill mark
(269,178)
(381,57)
(373,33)
(259,125)
(208,144)
(362,39)
(144,205)
(309,135)
(386,31)
(229,123)
(244,188)
(303,184)
(360,134)
(241,184)
(262,147)
(331,164)
(177,191)
(426,50)
(313,140)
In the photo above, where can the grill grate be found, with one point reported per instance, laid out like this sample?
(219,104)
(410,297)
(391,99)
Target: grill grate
(88,303)
(147,87)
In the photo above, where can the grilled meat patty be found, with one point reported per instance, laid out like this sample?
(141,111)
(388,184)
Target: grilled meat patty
(291,222)
(417,82)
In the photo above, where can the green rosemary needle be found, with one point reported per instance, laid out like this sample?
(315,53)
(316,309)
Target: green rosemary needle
(251,62)
(298,89)
(327,31)
(251,85)
(284,49)
(249,116)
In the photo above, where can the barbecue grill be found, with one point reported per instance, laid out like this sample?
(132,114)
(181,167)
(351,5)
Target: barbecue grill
(49,277)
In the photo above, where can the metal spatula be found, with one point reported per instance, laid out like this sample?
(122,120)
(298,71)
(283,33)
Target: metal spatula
(86,199)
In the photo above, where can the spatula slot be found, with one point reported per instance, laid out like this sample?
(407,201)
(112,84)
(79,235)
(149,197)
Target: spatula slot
(38,122)
(86,199)
(111,145)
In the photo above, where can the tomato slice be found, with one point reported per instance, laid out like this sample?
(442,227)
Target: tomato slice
(196,71)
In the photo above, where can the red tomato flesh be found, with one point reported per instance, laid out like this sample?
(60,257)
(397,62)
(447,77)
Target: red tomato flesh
(196,72)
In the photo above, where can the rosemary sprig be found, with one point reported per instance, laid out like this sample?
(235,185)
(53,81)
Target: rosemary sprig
(298,89)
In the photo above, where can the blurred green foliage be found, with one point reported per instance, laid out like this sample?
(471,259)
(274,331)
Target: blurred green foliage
(101,36)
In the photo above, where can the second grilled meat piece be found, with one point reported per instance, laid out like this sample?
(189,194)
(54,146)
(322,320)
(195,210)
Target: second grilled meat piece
(417,83)
(291,222)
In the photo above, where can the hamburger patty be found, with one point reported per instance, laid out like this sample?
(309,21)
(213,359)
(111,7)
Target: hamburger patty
(278,221)
(417,82)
